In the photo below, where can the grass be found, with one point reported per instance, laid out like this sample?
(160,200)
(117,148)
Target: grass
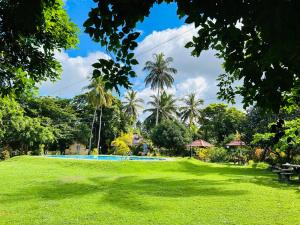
(36,190)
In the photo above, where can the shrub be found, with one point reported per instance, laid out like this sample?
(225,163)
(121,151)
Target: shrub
(120,147)
(258,153)
(202,154)
(296,159)
(251,162)
(126,137)
(5,153)
(218,154)
(260,165)
(94,151)
(138,149)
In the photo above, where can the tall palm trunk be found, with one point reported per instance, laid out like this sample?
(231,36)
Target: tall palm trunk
(91,135)
(191,121)
(157,108)
(99,132)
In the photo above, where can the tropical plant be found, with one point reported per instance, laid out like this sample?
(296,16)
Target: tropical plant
(160,75)
(190,111)
(163,108)
(132,104)
(216,154)
(99,98)
(121,144)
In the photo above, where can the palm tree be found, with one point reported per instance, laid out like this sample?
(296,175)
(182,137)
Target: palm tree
(160,75)
(191,109)
(132,104)
(165,105)
(99,98)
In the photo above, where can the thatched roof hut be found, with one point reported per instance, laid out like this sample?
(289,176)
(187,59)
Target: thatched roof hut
(200,143)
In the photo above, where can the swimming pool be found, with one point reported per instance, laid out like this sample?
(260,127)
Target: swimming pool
(107,157)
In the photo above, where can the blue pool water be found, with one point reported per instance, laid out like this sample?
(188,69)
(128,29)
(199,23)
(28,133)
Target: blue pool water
(105,157)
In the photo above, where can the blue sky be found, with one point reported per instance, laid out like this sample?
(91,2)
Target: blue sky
(161,17)
(161,32)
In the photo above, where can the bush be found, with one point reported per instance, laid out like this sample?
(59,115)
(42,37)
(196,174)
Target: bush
(202,154)
(138,149)
(258,153)
(5,153)
(217,154)
(120,147)
(171,135)
(126,137)
(94,151)
(296,159)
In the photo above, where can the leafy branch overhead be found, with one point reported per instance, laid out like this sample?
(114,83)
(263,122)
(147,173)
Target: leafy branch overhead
(30,32)
(258,40)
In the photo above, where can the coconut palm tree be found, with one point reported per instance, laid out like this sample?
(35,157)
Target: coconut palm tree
(160,75)
(190,111)
(132,104)
(99,97)
(165,105)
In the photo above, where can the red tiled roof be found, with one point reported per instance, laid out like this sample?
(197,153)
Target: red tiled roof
(200,143)
(236,143)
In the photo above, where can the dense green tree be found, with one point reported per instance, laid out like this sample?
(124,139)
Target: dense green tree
(132,104)
(248,36)
(166,107)
(288,142)
(160,75)
(30,32)
(258,120)
(19,131)
(190,111)
(217,121)
(171,135)
(57,113)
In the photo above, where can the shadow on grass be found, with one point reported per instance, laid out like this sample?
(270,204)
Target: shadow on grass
(134,192)
(126,192)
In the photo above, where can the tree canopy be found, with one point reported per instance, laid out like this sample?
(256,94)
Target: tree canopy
(30,32)
(248,35)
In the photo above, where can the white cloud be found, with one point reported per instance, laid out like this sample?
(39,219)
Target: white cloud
(171,42)
(194,74)
(75,76)
(197,85)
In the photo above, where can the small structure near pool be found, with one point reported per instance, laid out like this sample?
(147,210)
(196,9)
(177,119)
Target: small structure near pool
(236,143)
(77,149)
(200,144)
(236,147)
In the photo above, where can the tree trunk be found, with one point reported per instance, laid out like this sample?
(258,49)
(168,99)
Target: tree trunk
(91,135)
(157,108)
(191,121)
(99,133)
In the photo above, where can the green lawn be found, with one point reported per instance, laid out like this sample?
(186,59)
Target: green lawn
(35,190)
